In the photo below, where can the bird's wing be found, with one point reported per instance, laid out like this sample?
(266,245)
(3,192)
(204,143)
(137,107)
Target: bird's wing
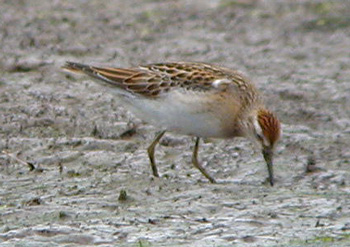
(154,79)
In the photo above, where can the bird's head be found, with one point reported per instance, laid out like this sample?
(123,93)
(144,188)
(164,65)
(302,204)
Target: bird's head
(266,131)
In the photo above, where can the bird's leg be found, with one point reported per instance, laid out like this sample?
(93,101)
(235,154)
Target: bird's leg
(150,151)
(198,165)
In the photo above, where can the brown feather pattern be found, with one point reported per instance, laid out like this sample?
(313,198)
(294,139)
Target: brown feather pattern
(152,80)
(270,125)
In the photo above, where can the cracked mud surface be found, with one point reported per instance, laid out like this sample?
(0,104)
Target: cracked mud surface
(87,150)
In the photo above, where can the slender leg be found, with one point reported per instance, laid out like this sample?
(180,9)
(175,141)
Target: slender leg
(150,151)
(198,165)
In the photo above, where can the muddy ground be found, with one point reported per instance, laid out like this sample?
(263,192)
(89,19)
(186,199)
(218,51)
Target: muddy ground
(86,150)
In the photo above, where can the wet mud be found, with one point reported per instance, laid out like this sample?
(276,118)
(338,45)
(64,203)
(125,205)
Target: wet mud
(74,169)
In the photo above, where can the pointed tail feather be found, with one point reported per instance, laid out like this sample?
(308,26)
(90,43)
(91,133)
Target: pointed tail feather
(112,76)
(77,67)
(131,80)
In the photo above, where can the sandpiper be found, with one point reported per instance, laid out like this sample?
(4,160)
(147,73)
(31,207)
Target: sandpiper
(195,99)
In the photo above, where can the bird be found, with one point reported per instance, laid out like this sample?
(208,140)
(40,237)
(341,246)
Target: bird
(192,98)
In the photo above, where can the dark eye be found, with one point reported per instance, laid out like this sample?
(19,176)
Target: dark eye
(259,136)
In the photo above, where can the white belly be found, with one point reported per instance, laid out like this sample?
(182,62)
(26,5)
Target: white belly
(184,113)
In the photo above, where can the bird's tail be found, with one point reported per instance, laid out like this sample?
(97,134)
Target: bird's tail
(77,68)
(114,77)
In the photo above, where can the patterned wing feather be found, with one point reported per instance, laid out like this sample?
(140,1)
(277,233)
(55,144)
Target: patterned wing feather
(152,80)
